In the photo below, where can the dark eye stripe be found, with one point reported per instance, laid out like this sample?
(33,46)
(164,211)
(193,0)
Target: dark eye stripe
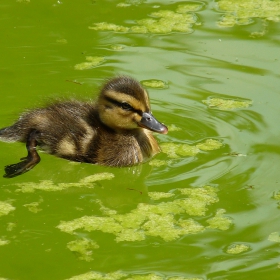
(123,105)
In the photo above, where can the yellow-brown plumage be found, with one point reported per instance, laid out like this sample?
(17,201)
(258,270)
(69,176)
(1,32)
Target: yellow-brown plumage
(116,130)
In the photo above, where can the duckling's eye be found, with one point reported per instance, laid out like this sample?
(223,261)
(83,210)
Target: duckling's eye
(125,106)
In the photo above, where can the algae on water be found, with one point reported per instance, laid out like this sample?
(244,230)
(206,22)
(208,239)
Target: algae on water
(168,220)
(159,195)
(237,249)
(4,242)
(159,22)
(209,145)
(6,208)
(118,275)
(175,150)
(92,61)
(48,185)
(274,237)
(244,12)
(154,84)
(226,104)
(33,207)
(157,162)
(220,221)
(83,248)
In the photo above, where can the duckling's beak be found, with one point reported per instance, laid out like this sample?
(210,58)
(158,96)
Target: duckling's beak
(148,121)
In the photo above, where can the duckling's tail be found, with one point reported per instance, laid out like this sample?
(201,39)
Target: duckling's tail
(10,134)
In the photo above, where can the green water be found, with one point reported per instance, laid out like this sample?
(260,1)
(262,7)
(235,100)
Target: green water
(42,41)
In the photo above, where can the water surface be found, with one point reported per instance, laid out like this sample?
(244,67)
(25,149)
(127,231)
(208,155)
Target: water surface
(219,51)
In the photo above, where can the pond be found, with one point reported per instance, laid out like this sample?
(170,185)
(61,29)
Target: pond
(207,206)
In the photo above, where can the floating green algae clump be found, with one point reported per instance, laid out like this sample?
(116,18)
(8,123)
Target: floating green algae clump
(83,248)
(104,26)
(276,195)
(33,207)
(173,127)
(4,242)
(174,150)
(166,220)
(220,221)
(160,22)
(227,104)
(94,275)
(92,61)
(6,208)
(209,145)
(237,249)
(241,11)
(274,237)
(154,84)
(159,195)
(48,185)
(157,162)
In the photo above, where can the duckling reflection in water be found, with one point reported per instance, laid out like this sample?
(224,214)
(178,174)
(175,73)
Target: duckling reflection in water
(116,130)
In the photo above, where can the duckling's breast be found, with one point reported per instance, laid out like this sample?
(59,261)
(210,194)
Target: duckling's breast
(125,149)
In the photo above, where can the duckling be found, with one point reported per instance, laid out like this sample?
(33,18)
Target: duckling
(116,130)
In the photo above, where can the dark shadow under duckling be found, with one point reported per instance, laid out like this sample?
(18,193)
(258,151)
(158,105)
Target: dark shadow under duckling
(116,130)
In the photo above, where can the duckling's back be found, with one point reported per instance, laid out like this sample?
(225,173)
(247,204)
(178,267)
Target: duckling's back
(65,128)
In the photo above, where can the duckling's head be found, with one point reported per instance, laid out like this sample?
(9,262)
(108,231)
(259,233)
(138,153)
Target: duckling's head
(123,105)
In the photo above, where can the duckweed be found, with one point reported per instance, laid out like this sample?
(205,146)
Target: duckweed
(10,226)
(237,249)
(189,7)
(33,207)
(154,84)
(48,185)
(274,237)
(4,242)
(104,26)
(227,104)
(220,221)
(160,22)
(5,208)
(105,210)
(173,127)
(159,195)
(174,150)
(209,144)
(83,248)
(165,219)
(123,5)
(207,194)
(93,275)
(92,61)
(62,41)
(117,47)
(243,12)
(276,195)
(158,162)
(97,177)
